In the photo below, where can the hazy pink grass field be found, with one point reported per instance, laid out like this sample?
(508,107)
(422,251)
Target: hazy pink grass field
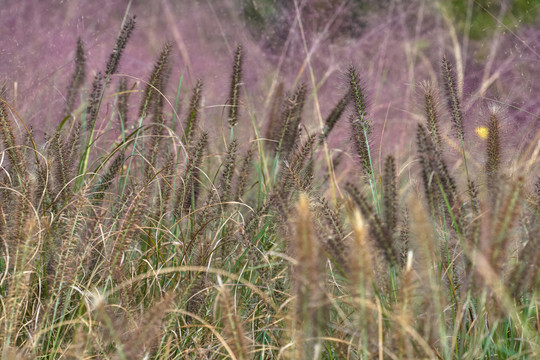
(400,46)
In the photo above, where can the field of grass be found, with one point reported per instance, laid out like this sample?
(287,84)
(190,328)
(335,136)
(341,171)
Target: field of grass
(297,218)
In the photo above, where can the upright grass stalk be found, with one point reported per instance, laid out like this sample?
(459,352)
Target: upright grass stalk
(236,83)
(229,164)
(454,101)
(390,195)
(454,106)
(333,235)
(94,102)
(433,165)
(188,188)
(361,276)
(165,186)
(379,232)
(245,170)
(99,86)
(272,132)
(432,114)
(65,154)
(335,115)
(308,315)
(361,126)
(153,88)
(122,104)
(151,92)
(290,121)
(361,132)
(192,119)
(493,153)
(106,179)
(233,325)
(121,41)
(77,80)
(13,149)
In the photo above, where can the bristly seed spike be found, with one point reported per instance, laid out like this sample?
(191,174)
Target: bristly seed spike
(453,97)
(236,82)
(121,41)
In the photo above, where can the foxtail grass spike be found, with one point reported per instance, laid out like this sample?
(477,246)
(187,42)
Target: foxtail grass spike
(390,194)
(293,175)
(335,115)
(404,236)
(473,226)
(165,184)
(78,78)
(360,142)
(453,97)
(229,165)
(232,325)
(122,105)
(154,145)
(537,195)
(194,175)
(273,128)
(300,164)
(93,101)
(188,187)
(19,230)
(290,121)
(334,234)
(121,41)
(424,150)
(493,152)
(358,97)
(273,118)
(379,233)
(43,186)
(302,154)
(61,176)
(128,226)
(65,154)
(360,124)
(10,142)
(193,113)
(307,278)
(72,145)
(245,168)
(236,82)
(432,115)
(155,81)
(150,328)
(434,170)
(106,179)
(472,189)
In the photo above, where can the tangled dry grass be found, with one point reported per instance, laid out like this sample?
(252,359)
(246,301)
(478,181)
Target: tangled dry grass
(135,232)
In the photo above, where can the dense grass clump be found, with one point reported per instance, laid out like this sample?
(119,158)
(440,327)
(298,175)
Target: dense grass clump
(173,241)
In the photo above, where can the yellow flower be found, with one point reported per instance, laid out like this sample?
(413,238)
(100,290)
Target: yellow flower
(482,132)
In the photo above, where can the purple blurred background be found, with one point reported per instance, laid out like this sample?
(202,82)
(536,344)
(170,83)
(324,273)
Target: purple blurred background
(395,47)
